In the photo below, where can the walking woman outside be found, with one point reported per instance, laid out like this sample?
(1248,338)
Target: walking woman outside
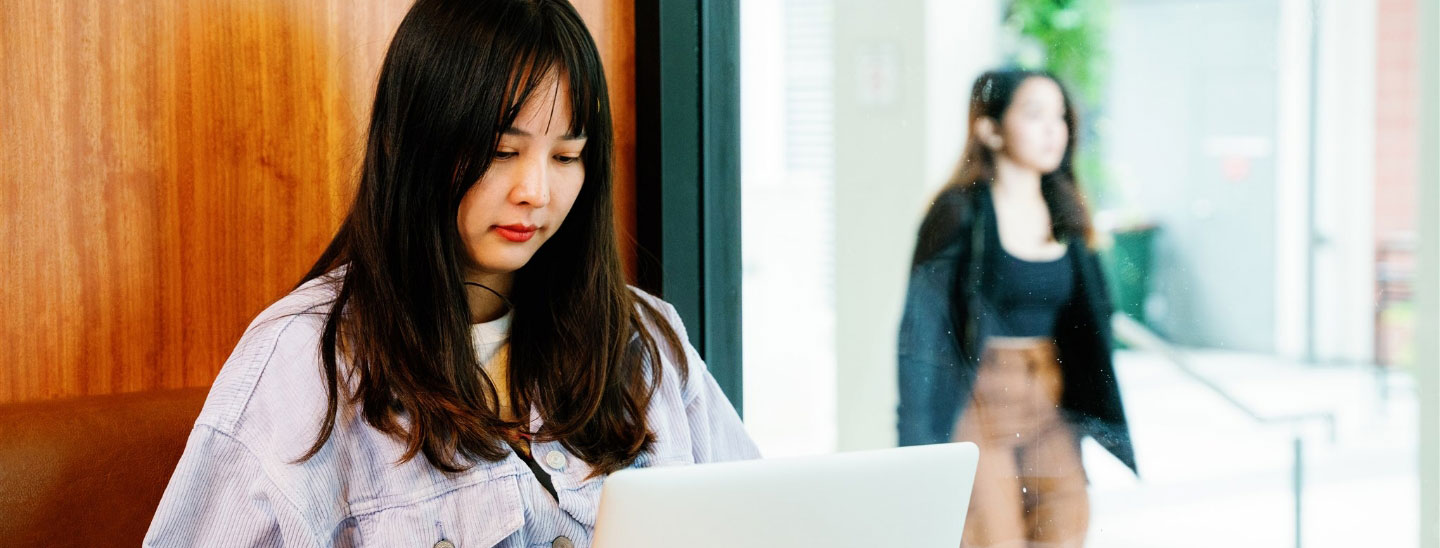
(1005,337)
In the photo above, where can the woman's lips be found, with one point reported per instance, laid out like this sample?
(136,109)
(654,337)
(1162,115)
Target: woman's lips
(516,233)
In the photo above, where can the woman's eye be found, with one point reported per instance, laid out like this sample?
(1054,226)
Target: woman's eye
(505,155)
(567,159)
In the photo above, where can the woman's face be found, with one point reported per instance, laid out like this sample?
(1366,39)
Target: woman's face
(1034,129)
(532,182)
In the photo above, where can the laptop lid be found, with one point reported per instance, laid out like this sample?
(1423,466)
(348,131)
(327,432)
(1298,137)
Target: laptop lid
(911,496)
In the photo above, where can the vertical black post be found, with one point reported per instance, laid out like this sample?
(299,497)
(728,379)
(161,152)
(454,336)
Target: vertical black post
(688,172)
(1299,484)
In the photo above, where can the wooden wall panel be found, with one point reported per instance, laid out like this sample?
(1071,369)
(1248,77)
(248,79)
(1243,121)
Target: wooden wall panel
(612,22)
(170,167)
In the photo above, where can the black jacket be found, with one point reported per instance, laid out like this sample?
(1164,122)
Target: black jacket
(938,344)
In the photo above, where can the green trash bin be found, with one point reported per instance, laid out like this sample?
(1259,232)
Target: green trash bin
(1127,270)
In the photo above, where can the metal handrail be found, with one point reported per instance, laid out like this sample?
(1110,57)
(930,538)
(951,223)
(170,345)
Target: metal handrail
(1135,335)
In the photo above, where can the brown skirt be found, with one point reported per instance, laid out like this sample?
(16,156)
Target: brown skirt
(1030,490)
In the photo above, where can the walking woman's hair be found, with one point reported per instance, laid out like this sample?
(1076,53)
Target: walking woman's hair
(455,77)
(989,98)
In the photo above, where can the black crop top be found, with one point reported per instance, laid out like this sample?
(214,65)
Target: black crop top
(1024,297)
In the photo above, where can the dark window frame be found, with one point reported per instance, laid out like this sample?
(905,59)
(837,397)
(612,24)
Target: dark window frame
(687,185)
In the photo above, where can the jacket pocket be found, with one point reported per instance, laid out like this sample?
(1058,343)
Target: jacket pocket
(477,515)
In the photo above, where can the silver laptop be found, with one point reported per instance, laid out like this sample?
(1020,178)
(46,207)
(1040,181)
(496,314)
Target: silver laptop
(913,497)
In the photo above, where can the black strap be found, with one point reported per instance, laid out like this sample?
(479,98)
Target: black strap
(540,474)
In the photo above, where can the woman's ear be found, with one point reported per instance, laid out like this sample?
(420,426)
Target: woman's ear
(989,133)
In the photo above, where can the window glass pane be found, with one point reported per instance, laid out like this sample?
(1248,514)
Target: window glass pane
(1245,176)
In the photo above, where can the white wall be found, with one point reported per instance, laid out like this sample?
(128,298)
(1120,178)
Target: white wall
(1427,332)
(903,70)
(1194,91)
(852,114)
(962,40)
(787,195)
(1292,179)
(1196,85)
(1345,183)
(879,178)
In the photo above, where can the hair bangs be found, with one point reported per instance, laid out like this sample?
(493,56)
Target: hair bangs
(560,48)
(546,49)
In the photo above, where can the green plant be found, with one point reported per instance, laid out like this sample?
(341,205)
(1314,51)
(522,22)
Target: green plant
(1067,38)
(1070,35)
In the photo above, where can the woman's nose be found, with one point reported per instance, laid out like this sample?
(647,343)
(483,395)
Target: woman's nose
(532,188)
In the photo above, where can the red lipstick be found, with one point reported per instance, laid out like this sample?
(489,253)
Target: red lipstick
(517,233)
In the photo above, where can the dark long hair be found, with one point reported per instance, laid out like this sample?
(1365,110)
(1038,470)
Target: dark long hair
(990,97)
(455,77)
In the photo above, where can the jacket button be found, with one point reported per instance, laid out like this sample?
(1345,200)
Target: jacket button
(444,544)
(556,460)
(562,542)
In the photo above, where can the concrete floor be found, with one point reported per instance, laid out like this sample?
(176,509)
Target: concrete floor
(1212,476)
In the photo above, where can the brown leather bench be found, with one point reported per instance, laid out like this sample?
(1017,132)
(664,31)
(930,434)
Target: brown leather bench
(89,471)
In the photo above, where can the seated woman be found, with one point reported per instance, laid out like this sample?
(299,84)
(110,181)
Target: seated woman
(464,364)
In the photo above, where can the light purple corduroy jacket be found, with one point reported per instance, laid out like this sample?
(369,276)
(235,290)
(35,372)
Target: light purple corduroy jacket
(238,484)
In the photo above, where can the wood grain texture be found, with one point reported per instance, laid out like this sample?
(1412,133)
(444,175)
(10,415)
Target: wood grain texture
(170,167)
(612,22)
